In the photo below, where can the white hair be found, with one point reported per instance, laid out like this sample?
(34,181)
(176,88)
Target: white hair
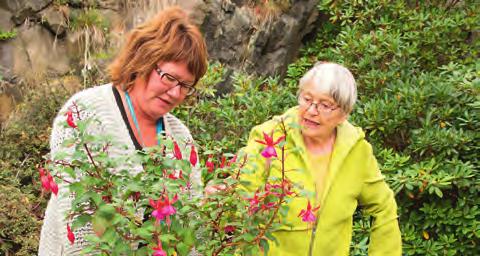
(334,80)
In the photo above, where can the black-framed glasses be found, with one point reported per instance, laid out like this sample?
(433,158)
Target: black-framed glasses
(324,107)
(172,81)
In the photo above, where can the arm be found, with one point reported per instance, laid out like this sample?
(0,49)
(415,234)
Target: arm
(53,238)
(255,165)
(379,202)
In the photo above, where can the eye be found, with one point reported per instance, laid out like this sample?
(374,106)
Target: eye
(169,78)
(307,99)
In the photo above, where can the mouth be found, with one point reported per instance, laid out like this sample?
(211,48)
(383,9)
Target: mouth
(310,124)
(164,102)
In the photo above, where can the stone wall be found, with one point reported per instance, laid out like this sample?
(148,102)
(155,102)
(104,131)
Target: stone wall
(257,37)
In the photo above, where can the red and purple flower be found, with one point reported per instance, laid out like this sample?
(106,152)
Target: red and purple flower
(308,214)
(269,151)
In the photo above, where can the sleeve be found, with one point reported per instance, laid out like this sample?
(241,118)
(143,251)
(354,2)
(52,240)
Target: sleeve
(379,202)
(255,171)
(53,236)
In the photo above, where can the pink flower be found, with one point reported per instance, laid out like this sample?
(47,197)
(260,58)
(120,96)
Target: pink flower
(193,156)
(48,183)
(70,235)
(209,164)
(163,208)
(308,214)
(53,185)
(44,179)
(158,251)
(269,151)
(229,229)
(222,162)
(254,202)
(175,175)
(70,120)
(233,160)
(176,151)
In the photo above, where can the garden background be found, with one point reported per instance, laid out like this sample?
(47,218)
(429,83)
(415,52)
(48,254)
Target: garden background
(416,64)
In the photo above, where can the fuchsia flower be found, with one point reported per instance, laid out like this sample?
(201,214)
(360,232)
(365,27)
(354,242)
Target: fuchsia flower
(48,183)
(209,164)
(193,156)
(70,120)
(229,229)
(70,235)
(233,160)
(163,208)
(222,162)
(254,202)
(175,175)
(308,214)
(176,151)
(158,251)
(269,151)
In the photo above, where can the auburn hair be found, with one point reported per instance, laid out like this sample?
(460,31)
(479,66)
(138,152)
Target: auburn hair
(169,37)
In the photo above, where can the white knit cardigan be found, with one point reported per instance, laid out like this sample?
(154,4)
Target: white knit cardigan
(101,104)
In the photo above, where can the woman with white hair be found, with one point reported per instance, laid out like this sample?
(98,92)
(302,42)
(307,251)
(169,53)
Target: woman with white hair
(330,157)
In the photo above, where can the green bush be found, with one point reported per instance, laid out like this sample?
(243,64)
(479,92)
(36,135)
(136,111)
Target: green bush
(24,142)
(417,71)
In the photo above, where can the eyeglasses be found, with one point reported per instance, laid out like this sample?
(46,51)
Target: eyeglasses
(172,81)
(324,107)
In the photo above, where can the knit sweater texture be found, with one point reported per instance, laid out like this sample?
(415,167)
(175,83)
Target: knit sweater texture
(100,104)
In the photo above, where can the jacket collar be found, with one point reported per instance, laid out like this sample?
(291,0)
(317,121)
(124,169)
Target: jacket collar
(347,137)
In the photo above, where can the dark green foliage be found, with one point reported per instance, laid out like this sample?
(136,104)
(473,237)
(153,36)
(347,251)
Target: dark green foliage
(417,71)
(24,141)
(417,68)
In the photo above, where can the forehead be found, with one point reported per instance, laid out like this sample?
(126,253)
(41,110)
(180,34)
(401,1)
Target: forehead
(317,92)
(177,69)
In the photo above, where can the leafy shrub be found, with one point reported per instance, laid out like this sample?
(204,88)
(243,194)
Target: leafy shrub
(417,72)
(24,142)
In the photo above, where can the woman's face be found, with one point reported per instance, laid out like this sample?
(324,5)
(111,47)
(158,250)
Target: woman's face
(319,114)
(161,92)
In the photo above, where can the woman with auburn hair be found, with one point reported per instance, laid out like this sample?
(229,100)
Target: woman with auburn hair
(159,66)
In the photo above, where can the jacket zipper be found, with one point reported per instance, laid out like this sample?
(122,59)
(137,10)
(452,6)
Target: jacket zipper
(312,237)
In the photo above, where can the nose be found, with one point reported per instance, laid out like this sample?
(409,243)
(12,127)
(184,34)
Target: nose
(174,92)
(312,109)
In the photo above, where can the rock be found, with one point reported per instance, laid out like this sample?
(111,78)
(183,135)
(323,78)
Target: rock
(34,53)
(55,19)
(6,23)
(255,39)
(21,9)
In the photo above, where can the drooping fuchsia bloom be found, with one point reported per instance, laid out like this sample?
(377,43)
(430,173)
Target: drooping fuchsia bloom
(209,164)
(193,156)
(53,185)
(229,229)
(158,251)
(163,208)
(176,151)
(222,162)
(308,214)
(269,151)
(48,183)
(70,120)
(70,235)
(254,202)
(44,179)
(233,160)
(175,175)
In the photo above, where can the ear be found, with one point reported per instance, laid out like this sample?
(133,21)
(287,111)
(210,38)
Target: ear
(343,117)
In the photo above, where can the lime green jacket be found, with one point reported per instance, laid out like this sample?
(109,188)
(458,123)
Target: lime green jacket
(353,179)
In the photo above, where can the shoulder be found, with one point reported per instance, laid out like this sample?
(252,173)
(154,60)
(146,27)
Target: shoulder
(89,97)
(288,118)
(176,127)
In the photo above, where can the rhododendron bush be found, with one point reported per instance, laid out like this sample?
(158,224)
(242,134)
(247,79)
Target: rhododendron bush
(160,209)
